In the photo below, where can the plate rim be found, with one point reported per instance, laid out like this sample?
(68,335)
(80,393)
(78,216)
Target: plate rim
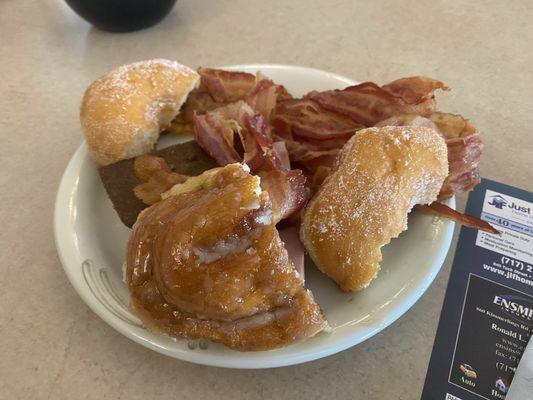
(67,256)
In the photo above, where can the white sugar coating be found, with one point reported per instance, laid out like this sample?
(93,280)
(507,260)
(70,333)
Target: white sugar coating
(169,64)
(380,174)
(122,84)
(378,191)
(123,112)
(150,70)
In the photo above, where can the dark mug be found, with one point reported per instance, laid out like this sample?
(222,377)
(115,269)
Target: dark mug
(122,15)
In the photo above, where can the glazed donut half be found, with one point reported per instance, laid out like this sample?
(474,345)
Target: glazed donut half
(379,175)
(123,112)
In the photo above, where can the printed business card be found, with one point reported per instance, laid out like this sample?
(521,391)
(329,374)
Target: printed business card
(487,316)
(496,322)
(514,219)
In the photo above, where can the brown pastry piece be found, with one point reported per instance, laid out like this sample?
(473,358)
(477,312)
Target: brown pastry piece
(119,179)
(380,174)
(123,112)
(207,262)
(156,178)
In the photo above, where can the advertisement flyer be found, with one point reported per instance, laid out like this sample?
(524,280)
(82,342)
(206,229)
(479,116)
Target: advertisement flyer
(487,316)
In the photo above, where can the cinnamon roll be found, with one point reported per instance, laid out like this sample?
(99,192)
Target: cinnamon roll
(208,262)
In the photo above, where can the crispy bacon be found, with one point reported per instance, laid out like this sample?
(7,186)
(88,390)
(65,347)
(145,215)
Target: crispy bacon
(263,155)
(226,86)
(313,135)
(286,190)
(263,96)
(245,119)
(318,125)
(219,88)
(198,102)
(368,103)
(217,130)
(442,210)
(305,119)
(464,152)
(281,154)
(414,89)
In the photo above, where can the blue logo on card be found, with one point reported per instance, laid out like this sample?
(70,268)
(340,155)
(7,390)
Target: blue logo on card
(498,201)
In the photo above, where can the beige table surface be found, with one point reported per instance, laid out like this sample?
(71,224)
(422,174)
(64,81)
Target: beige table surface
(54,347)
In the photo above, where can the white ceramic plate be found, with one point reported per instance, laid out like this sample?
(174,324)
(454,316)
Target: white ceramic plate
(91,240)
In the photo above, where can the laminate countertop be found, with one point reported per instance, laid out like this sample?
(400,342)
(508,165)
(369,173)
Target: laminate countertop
(55,347)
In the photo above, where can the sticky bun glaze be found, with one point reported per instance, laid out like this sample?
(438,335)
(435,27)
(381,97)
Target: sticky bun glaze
(208,262)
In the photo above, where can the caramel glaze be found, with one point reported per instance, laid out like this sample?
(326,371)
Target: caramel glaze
(208,263)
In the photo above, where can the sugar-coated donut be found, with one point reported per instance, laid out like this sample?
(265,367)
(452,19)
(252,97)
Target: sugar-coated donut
(123,112)
(379,175)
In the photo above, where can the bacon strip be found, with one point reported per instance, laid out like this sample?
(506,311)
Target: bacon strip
(318,125)
(218,88)
(198,102)
(225,86)
(287,191)
(367,103)
(442,210)
(216,130)
(263,96)
(306,119)
(263,153)
(281,154)
(464,152)
(214,133)
(414,89)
